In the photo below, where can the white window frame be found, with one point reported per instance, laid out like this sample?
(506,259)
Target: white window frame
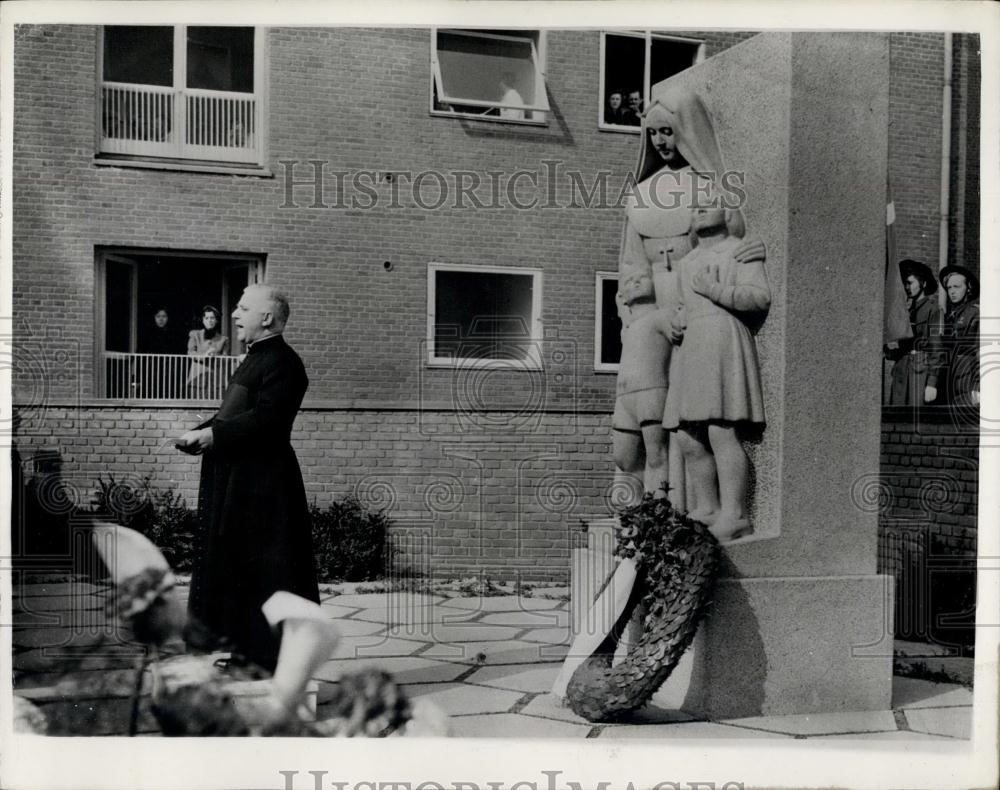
(177,158)
(534,360)
(102,254)
(648,36)
(599,279)
(541,109)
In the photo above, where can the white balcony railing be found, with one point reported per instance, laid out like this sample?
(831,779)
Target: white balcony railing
(150,120)
(166,376)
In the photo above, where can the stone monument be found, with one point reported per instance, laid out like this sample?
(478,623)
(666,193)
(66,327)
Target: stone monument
(800,620)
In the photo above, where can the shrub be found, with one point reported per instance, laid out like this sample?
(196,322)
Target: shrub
(161,515)
(351,542)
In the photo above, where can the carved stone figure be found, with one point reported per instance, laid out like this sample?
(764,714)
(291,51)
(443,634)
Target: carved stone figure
(917,358)
(717,386)
(679,161)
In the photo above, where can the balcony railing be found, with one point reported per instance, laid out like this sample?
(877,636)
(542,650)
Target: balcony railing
(166,376)
(150,120)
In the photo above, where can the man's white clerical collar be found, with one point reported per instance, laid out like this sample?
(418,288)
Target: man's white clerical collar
(262,339)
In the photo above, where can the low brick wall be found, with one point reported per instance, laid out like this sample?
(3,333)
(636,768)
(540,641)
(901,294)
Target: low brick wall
(499,493)
(927,500)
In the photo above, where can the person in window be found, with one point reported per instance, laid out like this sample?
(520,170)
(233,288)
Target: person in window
(203,344)
(632,114)
(508,96)
(161,335)
(614,111)
(915,358)
(958,372)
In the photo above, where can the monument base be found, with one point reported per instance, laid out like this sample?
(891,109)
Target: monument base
(768,646)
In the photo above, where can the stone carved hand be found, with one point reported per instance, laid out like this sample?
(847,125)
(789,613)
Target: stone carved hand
(751,249)
(677,326)
(706,282)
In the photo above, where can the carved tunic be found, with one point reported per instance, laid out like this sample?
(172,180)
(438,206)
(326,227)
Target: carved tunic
(717,372)
(918,358)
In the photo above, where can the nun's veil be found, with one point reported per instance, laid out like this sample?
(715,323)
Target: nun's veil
(695,138)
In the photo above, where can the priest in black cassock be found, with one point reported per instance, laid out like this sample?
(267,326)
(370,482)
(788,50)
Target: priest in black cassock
(255,531)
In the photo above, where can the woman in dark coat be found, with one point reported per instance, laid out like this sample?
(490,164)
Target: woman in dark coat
(958,372)
(918,357)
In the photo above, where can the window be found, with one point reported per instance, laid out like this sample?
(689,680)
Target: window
(488,316)
(181,92)
(632,62)
(147,304)
(607,324)
(494,75)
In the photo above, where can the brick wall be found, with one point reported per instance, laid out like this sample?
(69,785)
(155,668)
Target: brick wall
(460,498)
(927,500)
(359,327)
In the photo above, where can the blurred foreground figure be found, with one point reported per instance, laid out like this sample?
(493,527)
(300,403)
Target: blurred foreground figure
(190,697)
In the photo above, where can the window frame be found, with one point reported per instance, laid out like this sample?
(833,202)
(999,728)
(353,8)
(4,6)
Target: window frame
(256,262)
(534,360)
(163,160)
(648,36)
(539,54)
(599,279)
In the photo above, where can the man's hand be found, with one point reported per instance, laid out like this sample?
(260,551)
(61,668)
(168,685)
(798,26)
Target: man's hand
(195,442)
(751,249)
(930,394)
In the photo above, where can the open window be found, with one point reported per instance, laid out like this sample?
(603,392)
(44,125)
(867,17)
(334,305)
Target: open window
(148,302)
(494,75)
(632,62)
(607,324)
(489,316)
(188,92)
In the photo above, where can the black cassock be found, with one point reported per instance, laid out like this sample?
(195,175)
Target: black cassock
(255,532)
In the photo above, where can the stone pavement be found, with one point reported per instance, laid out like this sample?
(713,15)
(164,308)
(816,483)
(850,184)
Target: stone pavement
(489,662)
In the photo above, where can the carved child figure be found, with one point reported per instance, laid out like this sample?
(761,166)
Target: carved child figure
(717,385)
(640,441)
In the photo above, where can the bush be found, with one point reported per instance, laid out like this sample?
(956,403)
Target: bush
(162,516)
(351,542)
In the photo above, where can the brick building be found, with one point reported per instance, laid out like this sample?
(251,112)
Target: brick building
(331,163)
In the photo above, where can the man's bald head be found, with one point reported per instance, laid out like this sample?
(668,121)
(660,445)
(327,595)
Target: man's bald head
(262,311)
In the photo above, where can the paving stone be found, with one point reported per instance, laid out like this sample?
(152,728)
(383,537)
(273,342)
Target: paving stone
(553,636)
(382,599)
(373,645)
(823,723)
(508,652)
(404,669)
(955,722)
(915,693)
(357,627)
(549,707)
(455,698)
(693,729)
(418,616)
(898,735)
(502,603)
(519,677)
(449,632)
(514,725)
(537,619)
(337,611)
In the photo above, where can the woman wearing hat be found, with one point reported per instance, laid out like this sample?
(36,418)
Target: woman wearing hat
(917,357)
(202,344)
(958,370)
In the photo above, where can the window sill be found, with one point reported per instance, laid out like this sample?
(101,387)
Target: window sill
(183,165)
(526,365)
(491,119)
(604,127)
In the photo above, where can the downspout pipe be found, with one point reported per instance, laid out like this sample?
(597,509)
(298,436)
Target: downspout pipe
(945,156)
